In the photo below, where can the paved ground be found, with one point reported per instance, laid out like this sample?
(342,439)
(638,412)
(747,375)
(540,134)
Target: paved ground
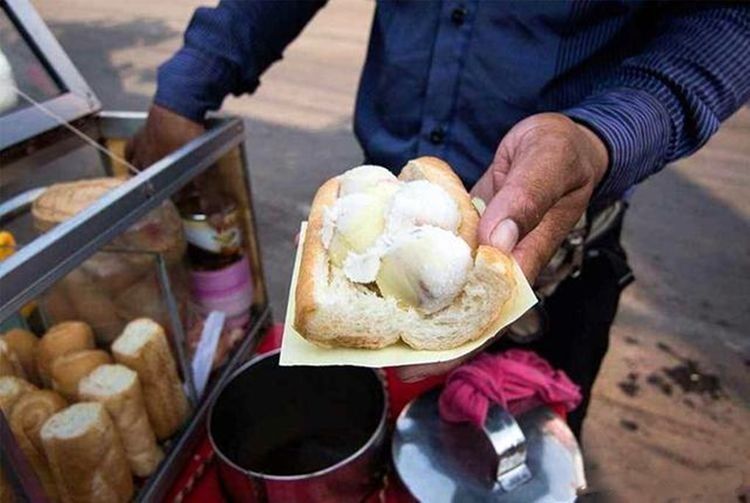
(688,235)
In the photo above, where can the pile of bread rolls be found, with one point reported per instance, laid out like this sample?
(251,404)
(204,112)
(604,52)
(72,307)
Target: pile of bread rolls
(120,282)
(89,420)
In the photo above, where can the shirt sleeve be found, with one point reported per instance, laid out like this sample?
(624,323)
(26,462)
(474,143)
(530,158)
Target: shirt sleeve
(666,102)
(226,49)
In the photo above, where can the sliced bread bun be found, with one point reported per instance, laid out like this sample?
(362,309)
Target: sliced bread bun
(61,339)
(143,347)
(119,390)
(86,456)
(10,364)
(69,369)
(11,389)
(28,416)
(333,311)
(23,344)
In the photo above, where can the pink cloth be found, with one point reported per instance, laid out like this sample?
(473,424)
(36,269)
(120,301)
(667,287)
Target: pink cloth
(518,380)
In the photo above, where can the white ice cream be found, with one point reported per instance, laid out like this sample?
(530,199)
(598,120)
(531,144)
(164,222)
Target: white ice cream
(364,178)
(424,267)
(352,225)
(400,235)
(421,203)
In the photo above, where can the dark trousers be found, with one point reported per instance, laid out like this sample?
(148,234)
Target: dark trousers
(581,312)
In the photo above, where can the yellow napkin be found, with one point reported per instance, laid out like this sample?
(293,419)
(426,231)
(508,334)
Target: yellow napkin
(296,350)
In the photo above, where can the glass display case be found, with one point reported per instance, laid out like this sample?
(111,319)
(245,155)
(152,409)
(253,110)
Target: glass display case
(84,239)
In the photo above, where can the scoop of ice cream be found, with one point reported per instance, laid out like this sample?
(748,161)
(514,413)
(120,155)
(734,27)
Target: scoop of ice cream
(353,224)
(364,267)
(420,203)
(364,178)
(425,267)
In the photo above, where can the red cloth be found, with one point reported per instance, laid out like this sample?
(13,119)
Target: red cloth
(518,380)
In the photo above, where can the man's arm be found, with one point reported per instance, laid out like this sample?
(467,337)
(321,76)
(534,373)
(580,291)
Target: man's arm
(665,102)
(655,107)
(225,51)
(658,106)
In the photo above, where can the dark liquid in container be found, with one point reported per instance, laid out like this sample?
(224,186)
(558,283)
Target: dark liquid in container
(202,260)
(304,454)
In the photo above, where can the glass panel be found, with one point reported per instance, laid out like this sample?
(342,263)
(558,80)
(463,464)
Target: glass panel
(21,68)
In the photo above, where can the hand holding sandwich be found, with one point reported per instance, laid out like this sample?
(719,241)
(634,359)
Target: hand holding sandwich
(538,186)
(536,189)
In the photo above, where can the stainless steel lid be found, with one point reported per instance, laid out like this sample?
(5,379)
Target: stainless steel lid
(532,458)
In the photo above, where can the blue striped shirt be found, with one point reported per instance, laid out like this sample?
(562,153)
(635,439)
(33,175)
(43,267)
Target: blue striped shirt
(449,78)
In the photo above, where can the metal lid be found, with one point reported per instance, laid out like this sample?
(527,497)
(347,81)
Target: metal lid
(532,459)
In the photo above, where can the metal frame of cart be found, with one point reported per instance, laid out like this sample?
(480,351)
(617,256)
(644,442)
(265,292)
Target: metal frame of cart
(29,134)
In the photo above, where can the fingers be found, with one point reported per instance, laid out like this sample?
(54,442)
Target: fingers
(493,178)
(414,373)
(529,190)
(536,249)
(130,149)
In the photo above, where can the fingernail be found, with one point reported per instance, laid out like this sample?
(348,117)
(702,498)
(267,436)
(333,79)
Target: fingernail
(505,235)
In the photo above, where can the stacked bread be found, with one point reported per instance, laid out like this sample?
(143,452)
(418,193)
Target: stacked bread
(114,285)
(99,423)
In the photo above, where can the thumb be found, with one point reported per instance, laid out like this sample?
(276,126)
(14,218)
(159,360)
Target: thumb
(527,194)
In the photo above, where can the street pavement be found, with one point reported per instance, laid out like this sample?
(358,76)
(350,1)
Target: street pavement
(670,411)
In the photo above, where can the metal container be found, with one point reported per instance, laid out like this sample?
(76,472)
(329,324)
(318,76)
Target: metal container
(300,434)
(531,458)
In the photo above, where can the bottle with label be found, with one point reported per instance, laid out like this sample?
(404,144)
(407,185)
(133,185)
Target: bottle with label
(220,273)
(212,229)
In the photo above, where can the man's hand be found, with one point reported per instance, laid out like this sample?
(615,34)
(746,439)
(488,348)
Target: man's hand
(164,132)
(538,187)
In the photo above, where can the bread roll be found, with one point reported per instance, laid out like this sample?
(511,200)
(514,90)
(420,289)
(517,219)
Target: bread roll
(63,201)
(10,365)
(68,370)
(61,339)
(93,304)
(23,343)
(27,417)
(144,348)
(119,390)
(11,389)
(331,310)
(55,303)
(86,456)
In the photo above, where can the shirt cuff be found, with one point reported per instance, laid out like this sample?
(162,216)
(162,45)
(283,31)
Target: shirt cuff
(191,83)
(637,131)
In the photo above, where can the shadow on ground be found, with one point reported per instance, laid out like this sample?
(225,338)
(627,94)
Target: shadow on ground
(91,46)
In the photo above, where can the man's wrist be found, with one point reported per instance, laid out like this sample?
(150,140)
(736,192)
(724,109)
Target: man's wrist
(192,83)
(599,153)
(636,130)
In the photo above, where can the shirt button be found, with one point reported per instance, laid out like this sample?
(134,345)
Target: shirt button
(437,135)
(458,16)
